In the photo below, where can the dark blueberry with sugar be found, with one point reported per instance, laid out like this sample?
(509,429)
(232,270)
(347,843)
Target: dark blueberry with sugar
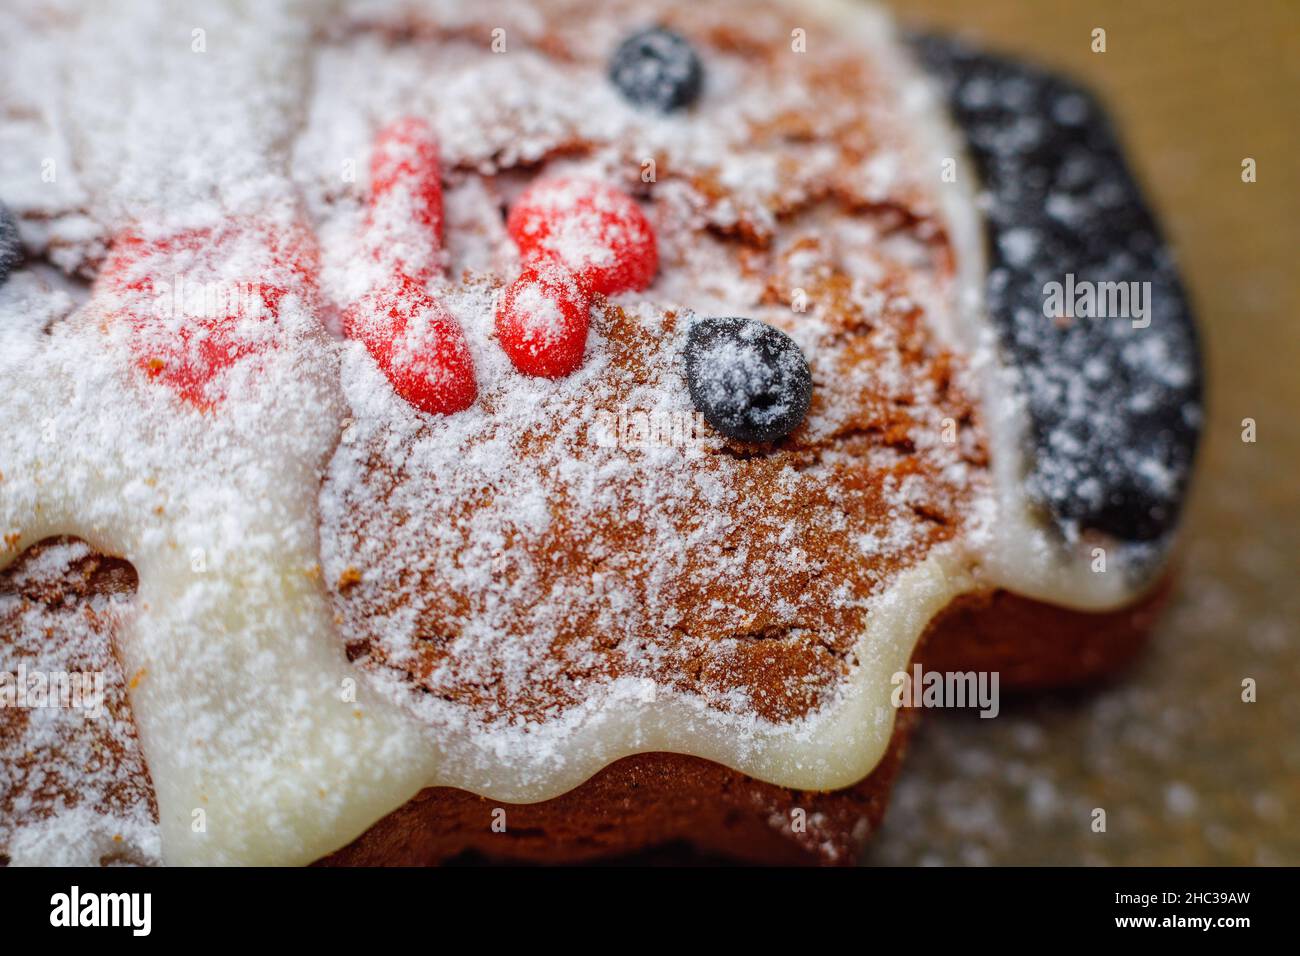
(658,69)
(749,379)
(11,250)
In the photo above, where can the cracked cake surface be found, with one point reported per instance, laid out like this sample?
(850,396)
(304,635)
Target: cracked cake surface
(517,556)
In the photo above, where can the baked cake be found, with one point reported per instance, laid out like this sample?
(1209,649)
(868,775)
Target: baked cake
(545,429)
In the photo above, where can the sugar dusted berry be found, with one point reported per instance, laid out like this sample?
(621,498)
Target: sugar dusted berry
(403,231)
(417,344)
(658,69)
(595,231)
(750,380)
(412,337)
(542,321)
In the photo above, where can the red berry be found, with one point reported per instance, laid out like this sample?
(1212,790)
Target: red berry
(417,344)
(542,322)
(415,341)
(404,222)
(594,231)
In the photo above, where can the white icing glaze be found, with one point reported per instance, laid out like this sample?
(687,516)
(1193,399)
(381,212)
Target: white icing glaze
(242,702)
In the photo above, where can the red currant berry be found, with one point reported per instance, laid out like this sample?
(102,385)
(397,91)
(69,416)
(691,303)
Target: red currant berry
(595,231)
(542,321)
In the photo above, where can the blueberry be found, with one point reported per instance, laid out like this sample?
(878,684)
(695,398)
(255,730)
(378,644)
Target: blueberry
(11,250)
(657,68)
(750,380)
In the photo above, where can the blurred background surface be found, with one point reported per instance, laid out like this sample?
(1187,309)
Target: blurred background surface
(1187,772)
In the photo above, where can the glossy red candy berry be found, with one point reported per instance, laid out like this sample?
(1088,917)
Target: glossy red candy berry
(595,231)
(542,321)
(417,344)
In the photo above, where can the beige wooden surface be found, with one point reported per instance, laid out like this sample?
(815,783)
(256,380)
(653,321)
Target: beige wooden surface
(1186,771)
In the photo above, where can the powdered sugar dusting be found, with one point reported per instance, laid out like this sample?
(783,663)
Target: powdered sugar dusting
(545,320)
